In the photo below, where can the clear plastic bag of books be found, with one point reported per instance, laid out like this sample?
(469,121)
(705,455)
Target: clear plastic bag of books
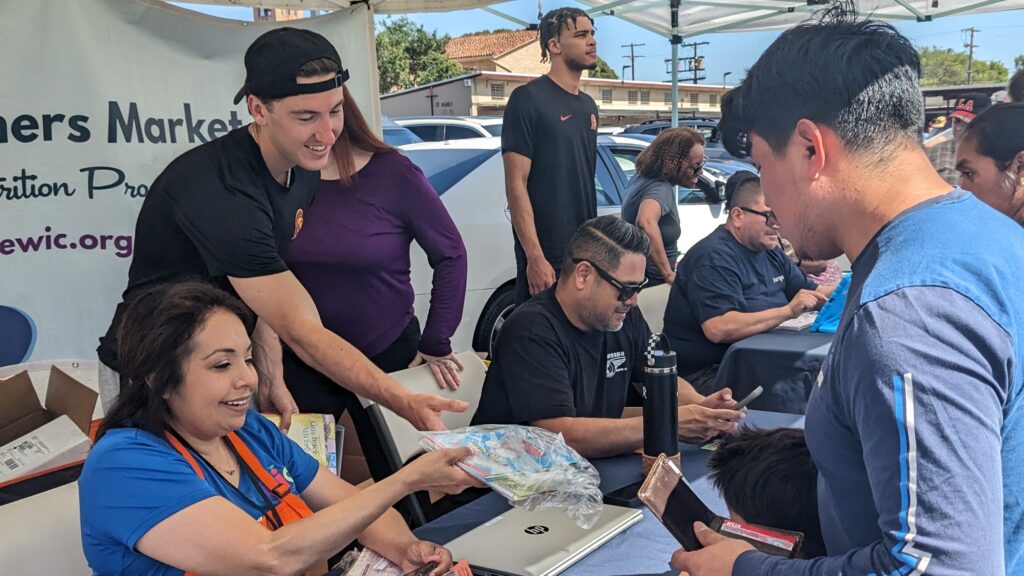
(532,467)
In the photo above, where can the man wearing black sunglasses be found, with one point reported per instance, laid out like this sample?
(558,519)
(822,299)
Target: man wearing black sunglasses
(565,360)
(734,283)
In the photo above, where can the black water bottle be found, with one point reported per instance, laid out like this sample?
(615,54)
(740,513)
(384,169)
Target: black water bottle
(660,392)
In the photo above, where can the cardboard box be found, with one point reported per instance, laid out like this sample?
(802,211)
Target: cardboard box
(36,436)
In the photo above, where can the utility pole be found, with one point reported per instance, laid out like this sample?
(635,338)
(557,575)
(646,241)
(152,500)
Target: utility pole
(970,45)
(692,64)
(632,59)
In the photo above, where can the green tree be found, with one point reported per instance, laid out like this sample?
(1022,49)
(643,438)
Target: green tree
(603,70)
(408,55)
(1018,62)
(945,66)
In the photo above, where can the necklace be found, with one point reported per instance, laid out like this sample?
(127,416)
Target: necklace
(224,453)
(256,137)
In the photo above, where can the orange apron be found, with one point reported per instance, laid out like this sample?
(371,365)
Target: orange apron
(289,508)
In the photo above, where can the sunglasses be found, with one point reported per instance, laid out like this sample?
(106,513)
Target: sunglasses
(699,166)
(769,216)
(626,291)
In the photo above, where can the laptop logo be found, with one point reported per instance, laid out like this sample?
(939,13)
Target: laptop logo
(537,530)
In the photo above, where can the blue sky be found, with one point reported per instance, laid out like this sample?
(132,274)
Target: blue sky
(999,39)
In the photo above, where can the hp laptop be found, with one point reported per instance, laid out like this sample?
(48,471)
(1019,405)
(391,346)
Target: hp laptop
(540,543)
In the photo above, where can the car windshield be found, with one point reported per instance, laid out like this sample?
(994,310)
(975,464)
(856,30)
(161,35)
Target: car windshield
(444,167)
(398,136)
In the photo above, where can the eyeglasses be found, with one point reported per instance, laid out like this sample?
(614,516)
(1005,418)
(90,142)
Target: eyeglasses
(769,216)
(700,166)
(626,291)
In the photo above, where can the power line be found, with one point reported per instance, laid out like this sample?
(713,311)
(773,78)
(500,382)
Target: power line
(632,59)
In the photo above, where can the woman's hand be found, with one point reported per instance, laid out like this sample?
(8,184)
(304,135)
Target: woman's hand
(420,552)
(439,471)
(445,369)
(277,398)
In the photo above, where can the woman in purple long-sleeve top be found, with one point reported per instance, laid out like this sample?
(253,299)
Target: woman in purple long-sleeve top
(353,258)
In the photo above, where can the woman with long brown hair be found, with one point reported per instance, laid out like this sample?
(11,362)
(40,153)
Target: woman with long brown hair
(675,158)
(353,258)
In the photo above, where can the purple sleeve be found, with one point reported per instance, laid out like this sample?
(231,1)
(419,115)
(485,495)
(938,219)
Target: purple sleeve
(431,226)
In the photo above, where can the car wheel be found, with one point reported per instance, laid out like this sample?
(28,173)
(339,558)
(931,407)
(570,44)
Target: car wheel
(495,314)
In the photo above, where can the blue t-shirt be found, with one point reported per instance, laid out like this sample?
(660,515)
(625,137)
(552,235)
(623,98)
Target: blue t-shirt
(719,275)
(133,480)
(916,424)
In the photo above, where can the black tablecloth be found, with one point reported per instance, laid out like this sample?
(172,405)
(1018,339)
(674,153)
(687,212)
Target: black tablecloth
(785,362)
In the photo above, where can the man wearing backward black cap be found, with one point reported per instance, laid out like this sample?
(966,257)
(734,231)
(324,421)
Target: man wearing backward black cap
(227,210)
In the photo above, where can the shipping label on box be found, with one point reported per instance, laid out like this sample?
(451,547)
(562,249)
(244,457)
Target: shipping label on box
(53,444)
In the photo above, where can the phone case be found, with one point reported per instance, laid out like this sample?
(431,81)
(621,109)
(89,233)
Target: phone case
(669,497)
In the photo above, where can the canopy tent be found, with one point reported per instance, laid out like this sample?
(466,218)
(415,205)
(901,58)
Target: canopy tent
(678,19)
(707,16)
(378,6)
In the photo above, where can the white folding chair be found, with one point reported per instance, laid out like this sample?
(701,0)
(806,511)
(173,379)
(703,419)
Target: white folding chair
(43,535)
(400,440)
(652,303)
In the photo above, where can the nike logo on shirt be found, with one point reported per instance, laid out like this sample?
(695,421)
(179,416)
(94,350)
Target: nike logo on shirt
(566,117)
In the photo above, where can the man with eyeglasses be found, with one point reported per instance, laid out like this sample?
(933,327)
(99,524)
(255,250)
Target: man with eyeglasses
(734,283)
(565,360)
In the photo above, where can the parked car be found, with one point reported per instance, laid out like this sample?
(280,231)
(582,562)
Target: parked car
(706,126)
(469,177)
(440,128)
(713,148)
(395,135)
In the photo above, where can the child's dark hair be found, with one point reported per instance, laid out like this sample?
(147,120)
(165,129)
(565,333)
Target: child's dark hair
(768,478)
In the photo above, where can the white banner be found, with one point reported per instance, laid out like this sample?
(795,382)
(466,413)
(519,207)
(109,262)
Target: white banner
(97,98)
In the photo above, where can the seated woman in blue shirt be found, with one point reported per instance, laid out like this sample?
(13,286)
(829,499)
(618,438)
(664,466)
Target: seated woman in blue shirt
(186,479)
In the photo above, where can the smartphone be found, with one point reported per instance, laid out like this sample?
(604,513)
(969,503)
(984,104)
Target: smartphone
(423,570)
(677,506)
(625,496)
(670,498)
(750,398)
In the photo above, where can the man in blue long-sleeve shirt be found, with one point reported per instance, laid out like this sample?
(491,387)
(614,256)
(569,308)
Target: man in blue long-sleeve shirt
(916,423)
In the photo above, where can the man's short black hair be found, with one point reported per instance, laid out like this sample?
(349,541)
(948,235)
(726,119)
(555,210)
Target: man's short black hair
(858,77)
(1016,86)
(740,188)
(604,241)
(552,24)
(768,478)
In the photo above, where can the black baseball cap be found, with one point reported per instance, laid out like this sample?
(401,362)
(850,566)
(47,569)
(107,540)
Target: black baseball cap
(273,61)
(734,182)
(970,105)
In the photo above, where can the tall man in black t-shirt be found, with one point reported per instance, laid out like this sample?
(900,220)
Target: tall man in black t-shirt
(227,211)
(566,359)
(734,283)
(549,147)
